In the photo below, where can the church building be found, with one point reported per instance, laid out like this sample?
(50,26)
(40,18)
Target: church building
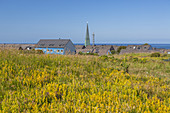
(87,40)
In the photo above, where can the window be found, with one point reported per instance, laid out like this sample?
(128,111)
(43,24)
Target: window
(61,51)
(144,47)
(47,50)
(134,47)
(61,44)
(138,47)
(51,44)
(41,44)
(58,51)
(51,50)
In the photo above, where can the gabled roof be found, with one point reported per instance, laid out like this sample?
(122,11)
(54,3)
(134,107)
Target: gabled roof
(52,43)
(103,52)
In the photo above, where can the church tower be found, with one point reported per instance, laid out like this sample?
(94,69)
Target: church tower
(87,40)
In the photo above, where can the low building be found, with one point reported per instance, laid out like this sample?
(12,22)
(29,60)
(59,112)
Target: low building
(139,49)
(167,51)
(99,49)
(17,46)
(56,46)
(25,47)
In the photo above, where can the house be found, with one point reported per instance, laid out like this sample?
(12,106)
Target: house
(25,47)
(104,49)
(104,52)
(99,49)
(56,46)
(139,49)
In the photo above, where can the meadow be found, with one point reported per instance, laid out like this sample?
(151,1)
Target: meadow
(131,83)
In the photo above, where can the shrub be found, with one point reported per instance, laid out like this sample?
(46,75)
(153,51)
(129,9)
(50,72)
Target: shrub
(164,55)
(146,44)
(135,59)
(80,53)
(104,57)
(143,60)
(39,52)
(113,51)
(121,47)
(96,54)
(155,55)
(33,51)
(125,66)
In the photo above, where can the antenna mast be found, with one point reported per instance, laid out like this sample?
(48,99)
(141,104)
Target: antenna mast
(93,38)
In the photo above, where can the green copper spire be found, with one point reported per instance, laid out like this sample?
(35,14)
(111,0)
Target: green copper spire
(87,41)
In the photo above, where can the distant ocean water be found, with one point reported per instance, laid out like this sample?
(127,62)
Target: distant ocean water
(163,46)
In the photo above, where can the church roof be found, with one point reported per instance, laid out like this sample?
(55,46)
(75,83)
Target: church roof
(87,40)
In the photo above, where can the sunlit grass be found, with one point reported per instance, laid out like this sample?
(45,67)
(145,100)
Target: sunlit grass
(56,83)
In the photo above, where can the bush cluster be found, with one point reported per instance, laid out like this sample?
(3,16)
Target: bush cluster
(33,51)
(120,48)
(81,53)
(155,55)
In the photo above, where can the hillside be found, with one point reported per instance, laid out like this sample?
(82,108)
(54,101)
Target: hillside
(50,83)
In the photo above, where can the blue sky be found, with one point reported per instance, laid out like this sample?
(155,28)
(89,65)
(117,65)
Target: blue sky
(112,21)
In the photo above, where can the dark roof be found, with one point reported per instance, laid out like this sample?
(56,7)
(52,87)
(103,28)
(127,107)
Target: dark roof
(138,47)
(53,43)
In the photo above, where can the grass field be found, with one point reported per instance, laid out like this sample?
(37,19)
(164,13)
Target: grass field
(55,83)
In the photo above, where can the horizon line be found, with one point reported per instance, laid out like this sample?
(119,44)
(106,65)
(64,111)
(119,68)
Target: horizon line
(91,43)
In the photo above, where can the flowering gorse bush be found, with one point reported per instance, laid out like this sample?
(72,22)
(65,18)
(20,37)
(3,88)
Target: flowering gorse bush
(50,83)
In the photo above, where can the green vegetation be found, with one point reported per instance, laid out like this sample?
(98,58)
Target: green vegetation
(83,83)
(119,49)
(146,44)
(81,53)
(155,55)
(31,51)
(113,51)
